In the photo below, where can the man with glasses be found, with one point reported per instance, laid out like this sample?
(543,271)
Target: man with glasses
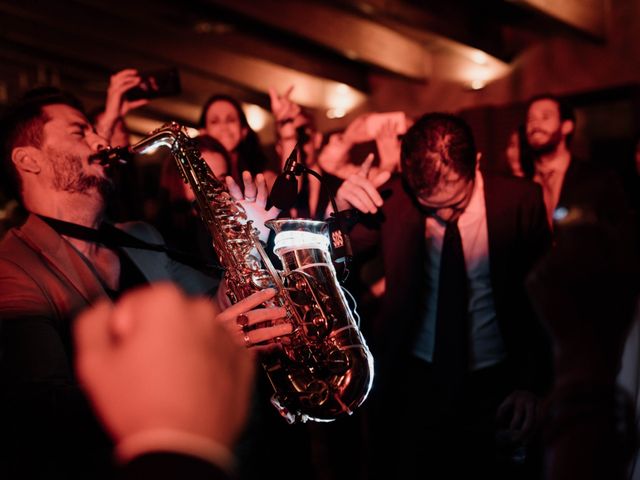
(459,354)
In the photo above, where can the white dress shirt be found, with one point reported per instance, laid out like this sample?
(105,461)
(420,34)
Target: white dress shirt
(486,345)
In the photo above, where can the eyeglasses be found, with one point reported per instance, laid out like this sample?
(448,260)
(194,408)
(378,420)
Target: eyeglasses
(457,206)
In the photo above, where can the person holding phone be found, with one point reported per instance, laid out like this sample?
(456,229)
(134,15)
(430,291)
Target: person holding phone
(110,123)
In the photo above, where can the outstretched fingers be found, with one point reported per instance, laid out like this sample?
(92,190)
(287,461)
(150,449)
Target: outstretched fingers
(234,189)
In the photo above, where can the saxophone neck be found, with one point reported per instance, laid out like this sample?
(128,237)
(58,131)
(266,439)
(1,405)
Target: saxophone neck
(163,136)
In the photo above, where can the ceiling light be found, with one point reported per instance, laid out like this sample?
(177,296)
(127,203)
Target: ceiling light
(256,116)
(477,84)
(479,57)
(340,99)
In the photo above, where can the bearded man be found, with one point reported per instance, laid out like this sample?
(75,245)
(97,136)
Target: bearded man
(65,258)
(549,126)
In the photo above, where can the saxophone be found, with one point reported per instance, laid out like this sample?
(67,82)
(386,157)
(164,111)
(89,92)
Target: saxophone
(323,369)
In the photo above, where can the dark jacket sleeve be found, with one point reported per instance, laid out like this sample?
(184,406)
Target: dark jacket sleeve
(536,374)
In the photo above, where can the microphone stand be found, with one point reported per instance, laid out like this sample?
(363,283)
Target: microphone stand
(340,242)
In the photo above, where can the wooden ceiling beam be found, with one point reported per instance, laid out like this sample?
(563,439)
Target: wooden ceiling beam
(585,16)
(155,46)
(229,31)
(356,38)
(471,23)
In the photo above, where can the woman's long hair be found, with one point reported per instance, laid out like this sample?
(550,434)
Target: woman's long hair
(250,153)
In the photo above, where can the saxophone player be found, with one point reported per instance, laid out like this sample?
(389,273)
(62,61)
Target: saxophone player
(65,258)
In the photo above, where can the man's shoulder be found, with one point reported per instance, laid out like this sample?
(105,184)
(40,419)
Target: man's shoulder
(12,246)
(20,287)
(15,255)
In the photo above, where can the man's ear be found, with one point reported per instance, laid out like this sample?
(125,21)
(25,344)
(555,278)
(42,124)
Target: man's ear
(26,159)
(567,127)
(478,158)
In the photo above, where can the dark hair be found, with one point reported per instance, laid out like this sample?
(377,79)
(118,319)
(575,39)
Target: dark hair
(210,144)
(436,144)
(22,125)
(250,153)
(564,108)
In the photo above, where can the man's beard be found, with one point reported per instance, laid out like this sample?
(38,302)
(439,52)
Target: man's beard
(68,176)
(550,145)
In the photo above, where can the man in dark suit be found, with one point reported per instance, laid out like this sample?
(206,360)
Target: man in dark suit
(55,265)
(459,354)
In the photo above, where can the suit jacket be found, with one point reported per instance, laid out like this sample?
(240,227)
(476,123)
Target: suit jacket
(597,188)
(46,423)
(518,236)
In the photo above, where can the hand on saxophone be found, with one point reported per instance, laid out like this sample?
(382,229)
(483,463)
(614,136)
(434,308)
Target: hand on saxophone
(256,328)
(360,190)
(254,201)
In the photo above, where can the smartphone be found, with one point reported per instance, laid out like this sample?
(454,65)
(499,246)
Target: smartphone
(157,83)
(375,121)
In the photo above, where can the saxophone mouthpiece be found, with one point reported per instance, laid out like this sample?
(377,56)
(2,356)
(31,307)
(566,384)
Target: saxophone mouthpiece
(112,156)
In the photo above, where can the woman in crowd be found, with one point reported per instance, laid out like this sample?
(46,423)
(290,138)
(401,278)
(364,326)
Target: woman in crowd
(223,119)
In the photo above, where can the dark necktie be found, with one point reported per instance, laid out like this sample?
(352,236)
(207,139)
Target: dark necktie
(451,352)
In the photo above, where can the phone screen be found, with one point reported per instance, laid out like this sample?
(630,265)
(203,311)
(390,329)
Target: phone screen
(158,83)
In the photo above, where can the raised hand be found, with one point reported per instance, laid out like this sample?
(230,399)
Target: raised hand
(360,190)
(356,131)
(282,107)
(388,146)
(254,200)
(117,106)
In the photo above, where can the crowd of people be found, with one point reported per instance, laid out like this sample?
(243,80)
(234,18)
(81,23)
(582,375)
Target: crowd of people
(500,310)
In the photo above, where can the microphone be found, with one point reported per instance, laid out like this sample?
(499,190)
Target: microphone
(285,192)
(285,189)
